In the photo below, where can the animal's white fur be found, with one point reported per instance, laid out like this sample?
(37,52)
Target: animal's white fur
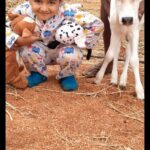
(119,9)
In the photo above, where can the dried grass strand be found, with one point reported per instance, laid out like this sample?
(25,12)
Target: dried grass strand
(9,115)
(124,114)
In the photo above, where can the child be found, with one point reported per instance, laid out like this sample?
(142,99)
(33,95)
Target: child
(49,15)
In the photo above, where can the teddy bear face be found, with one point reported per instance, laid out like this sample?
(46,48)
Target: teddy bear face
(70,33)
(20,22)
(25,22)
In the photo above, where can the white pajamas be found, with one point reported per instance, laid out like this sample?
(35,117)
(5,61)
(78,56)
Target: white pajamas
(36,57)
(69,57)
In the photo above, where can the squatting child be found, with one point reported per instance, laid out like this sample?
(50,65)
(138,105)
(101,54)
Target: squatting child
(49,15)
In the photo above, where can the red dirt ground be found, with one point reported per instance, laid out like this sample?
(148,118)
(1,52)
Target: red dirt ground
(91,118)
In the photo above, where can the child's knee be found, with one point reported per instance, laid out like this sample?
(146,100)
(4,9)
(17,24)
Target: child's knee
(69,55)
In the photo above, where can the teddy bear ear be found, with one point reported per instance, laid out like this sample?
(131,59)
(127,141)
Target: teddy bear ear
(26,33)
(12,16)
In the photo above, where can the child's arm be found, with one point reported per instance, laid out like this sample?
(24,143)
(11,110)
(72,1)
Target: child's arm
(12,38)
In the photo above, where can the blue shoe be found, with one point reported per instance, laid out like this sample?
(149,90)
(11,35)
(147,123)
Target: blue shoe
(69,83)
(35,78)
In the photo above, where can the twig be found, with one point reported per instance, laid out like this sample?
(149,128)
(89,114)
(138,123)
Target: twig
(133,111)
(11,106)
(126,115)
(14,108)
(16,95)
(9,115)
(77,93)
(61,136)
(114,147)
(137,112)
(117,92)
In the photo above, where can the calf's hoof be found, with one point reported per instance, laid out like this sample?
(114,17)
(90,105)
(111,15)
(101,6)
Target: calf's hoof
(91,72)
(122,87)
(96,81)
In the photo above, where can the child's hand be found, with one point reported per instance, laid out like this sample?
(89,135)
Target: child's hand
(24,41)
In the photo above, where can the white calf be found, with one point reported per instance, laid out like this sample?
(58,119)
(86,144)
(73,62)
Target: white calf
(123,21)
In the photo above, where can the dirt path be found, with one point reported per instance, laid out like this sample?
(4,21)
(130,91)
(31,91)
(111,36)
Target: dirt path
(92,118)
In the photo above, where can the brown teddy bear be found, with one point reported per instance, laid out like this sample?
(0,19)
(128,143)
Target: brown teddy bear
(25,27)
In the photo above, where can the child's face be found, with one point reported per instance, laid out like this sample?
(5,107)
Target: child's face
(45,9)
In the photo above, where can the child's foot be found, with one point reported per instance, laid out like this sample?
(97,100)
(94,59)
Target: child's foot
(69,83)
(35,78)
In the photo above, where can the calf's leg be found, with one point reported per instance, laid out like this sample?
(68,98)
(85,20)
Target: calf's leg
(134,60)
(123,77)
(112,53)
(105,7)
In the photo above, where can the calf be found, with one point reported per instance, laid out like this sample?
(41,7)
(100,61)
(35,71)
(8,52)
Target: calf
(105,11)
(123,20)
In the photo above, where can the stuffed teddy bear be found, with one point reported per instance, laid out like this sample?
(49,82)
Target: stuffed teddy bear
(25,27)
(22,25)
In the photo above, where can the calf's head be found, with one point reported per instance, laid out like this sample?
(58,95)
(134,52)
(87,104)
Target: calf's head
(127,11)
